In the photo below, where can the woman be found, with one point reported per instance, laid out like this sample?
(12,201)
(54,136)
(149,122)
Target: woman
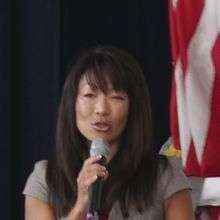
(105,96)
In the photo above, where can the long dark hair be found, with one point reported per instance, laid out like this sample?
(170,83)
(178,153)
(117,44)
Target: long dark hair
(136,158)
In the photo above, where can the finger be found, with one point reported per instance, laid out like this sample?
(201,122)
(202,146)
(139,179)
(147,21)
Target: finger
(83,176)
(85,183)
(92,159)
(100,173)
(106,175)
(95,168)
(89,181)
(90,170)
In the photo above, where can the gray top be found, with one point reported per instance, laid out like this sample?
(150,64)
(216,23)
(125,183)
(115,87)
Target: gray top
(171,181)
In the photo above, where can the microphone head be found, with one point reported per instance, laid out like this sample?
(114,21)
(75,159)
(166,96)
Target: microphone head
(99,147)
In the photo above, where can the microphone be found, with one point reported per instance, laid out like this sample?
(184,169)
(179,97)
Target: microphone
(98,147)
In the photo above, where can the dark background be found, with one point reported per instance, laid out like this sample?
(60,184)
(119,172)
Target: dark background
(37,40)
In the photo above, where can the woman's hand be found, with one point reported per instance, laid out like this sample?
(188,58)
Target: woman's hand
(89,173)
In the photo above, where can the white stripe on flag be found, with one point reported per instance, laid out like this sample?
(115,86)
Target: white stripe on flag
(184,129)
(174,2)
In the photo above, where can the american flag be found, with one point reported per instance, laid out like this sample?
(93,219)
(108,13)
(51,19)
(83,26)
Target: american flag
(195,97)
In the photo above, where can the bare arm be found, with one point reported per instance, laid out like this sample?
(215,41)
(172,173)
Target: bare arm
(179,206)
(36,209)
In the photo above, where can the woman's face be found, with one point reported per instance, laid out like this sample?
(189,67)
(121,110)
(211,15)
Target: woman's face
(100,115)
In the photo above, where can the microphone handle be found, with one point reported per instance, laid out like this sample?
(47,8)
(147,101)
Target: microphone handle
(97,187)
(95,205)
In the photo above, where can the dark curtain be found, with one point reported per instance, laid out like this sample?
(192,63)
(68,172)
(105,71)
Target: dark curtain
(37,41)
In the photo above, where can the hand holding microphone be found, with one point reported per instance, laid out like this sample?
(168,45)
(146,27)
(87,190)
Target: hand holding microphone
(92,174)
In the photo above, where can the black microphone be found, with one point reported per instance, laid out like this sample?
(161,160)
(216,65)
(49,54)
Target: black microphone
(98,147)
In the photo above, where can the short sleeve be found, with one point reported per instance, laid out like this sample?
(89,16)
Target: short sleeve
(173,179)
(36,183)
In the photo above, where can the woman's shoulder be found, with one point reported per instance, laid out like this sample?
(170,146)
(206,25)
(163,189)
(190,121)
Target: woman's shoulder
(39,170)
(171,177)
(36,185)
(40,166)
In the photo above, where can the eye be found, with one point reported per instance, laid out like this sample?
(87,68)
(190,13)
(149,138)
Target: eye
(118,97)
(89,95)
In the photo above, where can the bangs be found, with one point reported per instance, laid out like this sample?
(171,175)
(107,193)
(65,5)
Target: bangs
(104,74)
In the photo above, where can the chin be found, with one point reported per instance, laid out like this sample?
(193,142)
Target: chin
(104,137)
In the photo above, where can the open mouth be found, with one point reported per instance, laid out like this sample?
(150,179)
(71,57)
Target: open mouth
(101,126)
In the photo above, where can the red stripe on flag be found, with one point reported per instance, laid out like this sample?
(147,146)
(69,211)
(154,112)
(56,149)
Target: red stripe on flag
(173,33)
(174,126)
(192,166)
(214,212)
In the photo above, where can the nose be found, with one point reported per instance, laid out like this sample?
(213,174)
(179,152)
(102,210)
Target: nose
(102,106)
